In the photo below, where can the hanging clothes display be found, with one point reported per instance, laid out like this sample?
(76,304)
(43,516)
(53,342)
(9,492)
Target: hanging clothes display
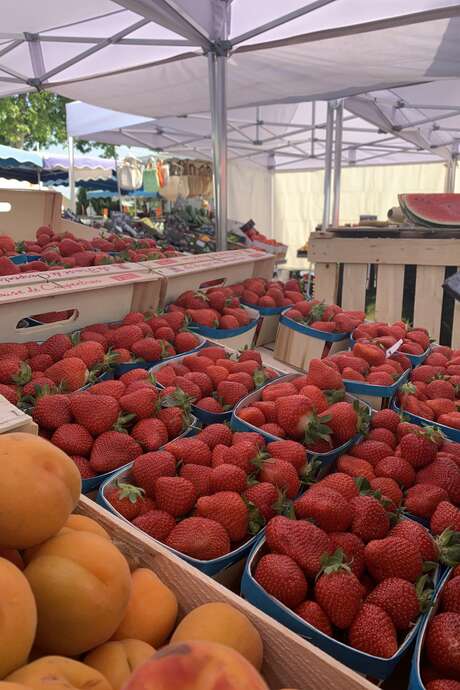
(150,177)
(130,174)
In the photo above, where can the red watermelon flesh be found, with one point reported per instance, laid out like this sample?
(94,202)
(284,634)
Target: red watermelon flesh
(432,210)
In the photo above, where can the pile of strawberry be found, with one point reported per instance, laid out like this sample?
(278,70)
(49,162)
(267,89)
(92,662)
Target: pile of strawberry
(208,494)
(64,250)
(416,341)
(411,466)
(214,308)
(110,424)
(343,569)
(213,380)
(440,668)
(259,292)
(434,388)
(367,362)
(309,408)
(325,317)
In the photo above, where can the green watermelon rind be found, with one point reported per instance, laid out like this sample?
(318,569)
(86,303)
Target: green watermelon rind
(417,207)
(416,221)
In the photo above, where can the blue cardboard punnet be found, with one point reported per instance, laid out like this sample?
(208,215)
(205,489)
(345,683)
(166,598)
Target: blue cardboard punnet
(376,667)
(121,369)
(313,332)
(266,311)
(24,258)
(362,388)
(448,431)
(415,360)
(222,333)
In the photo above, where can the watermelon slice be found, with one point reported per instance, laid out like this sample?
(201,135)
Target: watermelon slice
(432,210)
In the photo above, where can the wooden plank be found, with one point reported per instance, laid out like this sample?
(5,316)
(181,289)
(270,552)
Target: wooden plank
(424,252)
(289,660)
(389,295)
(456,325)
(428,298)
(326,276)
(354,286)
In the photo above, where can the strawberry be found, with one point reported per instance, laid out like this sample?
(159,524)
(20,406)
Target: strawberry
(295,414)
(12,370)
(52,411)
(352,375)
(20,350)
(316,396)
(231,392)
(213,352)
(227,508)
(133,317)
(312,613)
(125,498)
(372,451)
(440,389)
(120,355)
(451,419)
(278,390)
(203,382)
(151,434)
(370,519)
(38,385)
(204,317)
(383,435)
(190,450)
(40,362)
(199,475)
(56,346)
(323,376)
(424,373)
(188,387)
(210,405)
(420,449)
(355,467)
(399,599)
(142,403)
(274,430)
(96,414)
(111,450)
(174,419)
(441,406)
(343,420)
(373,354)
(327,508)
(301,540)
(443,685)
(252,415)
(338,591)
(215,434)
(91,353)
(198,363)
(281,577)
(185,341)
(73,439)
(251,437)
(389,489)
(393,556)
(290,451)
(443,472)
(446,516)
(147,468)
(125,336)
(165,333)
(199,538)
(83,467)
(227,478)
(341,483)
(441,643)
(175,495)
(353,549)
(147,349)
(72,373)
(10,393)
(281,474)
(422,499)
(263,496)
(450,597)
(373,632)
(156,523)
(396,468)
(217,374)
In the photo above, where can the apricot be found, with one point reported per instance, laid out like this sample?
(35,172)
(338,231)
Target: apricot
(218,622)
(58,673)
(18,618)
(152,610)
(6,685)
(196,666)
(14,557)
(117,660)
(40,487)
(81,523)
(81,584)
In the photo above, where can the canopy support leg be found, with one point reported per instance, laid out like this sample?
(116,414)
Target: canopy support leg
(328,166)
(217,66)
(337,163)
(73,200)
(451,169)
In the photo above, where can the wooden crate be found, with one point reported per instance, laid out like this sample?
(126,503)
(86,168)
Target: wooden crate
(289,661)
(391,256)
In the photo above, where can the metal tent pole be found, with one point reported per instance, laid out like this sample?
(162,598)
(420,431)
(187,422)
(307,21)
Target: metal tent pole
(451,169)
(328,166)
(217,66)
(337,163)
(73,201)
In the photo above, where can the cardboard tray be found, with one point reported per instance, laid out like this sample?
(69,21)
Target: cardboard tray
(448,431)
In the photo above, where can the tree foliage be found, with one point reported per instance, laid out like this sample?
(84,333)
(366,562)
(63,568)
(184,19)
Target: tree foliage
(38,120)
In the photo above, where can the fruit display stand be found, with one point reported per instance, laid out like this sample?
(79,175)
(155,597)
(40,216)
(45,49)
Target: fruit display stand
(289,660)
(13,419)
(23,210)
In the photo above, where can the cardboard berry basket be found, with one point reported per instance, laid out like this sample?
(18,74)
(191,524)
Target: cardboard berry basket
(289,660)
(121,369)
(448,431)
(415,360)
(269,318)
(326,459)
(375,667)
(297,344)
(378,397)
(415,681)
(235,338)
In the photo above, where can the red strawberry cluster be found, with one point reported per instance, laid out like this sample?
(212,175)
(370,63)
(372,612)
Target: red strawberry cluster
(214,308)
(259,292)
(309,408)
(111,423)
(210,493)
(344,570)
(325,317)
(64,250)
(416,341)
(440,668)
(367,363)
(213,380)
(409,466)
(434,389)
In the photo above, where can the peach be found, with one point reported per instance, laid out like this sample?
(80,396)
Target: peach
(117,660)
(196,666)
(14,556)
(58,673)
(6,685)
(18,618)
(218,622)
(82,523)
(81,584)
(152,610)
(40,487)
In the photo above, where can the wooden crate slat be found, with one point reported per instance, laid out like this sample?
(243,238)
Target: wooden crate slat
(428,298)
(389,295)
(325,286)
(354,286)
(456,324)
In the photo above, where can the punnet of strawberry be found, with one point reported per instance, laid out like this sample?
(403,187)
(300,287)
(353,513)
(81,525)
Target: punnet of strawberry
(350,569)
(213,379)
(325,317)
(310,408)
(367,362)
(215,308)
(110,424)
(259,292)
(208,495)
(415,341)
